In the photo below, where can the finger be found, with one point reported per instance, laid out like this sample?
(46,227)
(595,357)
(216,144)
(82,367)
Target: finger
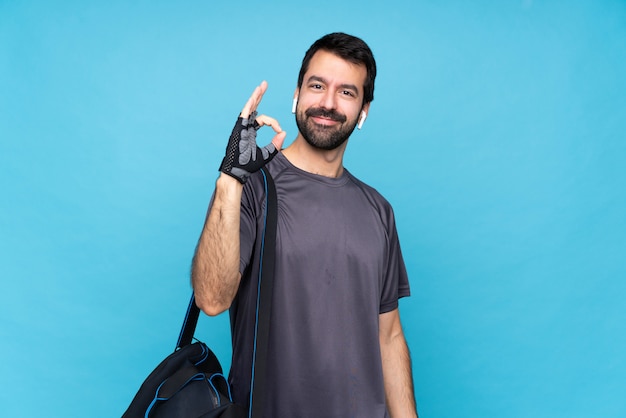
(257,96)
(278,140)
(255,99)
(264,120)
(250,105)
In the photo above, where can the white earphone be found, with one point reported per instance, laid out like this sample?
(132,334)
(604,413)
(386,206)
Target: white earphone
(362,119)
(294,105)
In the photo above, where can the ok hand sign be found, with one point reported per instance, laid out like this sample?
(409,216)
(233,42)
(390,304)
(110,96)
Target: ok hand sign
(243,155)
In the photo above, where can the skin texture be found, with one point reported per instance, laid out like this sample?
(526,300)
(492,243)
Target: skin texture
(329,105)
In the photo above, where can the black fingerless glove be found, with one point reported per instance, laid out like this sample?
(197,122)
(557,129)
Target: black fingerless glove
(243,156)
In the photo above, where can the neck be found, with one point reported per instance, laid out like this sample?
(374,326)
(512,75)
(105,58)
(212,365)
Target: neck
(313,160)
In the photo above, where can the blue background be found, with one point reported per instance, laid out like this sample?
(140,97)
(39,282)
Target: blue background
(497,133)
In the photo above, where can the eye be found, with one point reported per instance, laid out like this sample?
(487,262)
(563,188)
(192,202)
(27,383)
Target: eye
(316,86)
(348,93)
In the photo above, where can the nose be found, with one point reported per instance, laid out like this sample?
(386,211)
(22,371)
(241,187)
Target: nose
(328,100)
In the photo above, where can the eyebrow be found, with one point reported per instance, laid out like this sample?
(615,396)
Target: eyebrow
(343,86)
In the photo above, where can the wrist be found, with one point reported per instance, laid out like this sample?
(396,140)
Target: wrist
(226,180)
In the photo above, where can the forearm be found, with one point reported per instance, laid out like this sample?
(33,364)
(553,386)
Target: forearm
(397,373)
(215,268)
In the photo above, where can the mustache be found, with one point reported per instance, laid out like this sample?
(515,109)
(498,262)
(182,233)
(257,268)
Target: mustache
(325,113)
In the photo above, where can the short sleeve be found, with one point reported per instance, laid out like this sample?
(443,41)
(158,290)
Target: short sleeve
(252,206)
(396,281)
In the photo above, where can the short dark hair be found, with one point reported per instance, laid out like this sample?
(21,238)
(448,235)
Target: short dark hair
(349,48)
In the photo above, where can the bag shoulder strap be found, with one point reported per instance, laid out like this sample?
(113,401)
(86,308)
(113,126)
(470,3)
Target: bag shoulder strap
(189,324)
(264,296)
(264,299)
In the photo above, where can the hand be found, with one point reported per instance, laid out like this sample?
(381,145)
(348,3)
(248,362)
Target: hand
(243,156)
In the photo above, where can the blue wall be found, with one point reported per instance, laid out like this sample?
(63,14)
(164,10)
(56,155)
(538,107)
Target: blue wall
(497,133)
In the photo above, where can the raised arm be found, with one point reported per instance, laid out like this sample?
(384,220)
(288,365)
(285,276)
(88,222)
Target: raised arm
(215,267)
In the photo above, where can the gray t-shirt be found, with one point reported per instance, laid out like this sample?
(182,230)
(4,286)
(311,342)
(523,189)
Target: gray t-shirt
(338,266)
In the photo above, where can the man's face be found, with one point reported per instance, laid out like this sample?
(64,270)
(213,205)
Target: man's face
(330,100)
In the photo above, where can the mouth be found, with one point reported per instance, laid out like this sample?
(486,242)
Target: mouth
(325,117)
(319,120)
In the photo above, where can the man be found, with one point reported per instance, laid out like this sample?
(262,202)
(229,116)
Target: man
(337,348)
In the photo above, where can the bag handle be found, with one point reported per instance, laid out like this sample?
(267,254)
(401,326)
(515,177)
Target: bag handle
(264,297)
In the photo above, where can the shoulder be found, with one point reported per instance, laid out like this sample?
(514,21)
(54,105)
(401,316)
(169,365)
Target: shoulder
(274,168)
(255,188)
(377,201)
(373,195)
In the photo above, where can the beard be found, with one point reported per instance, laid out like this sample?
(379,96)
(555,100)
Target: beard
(321,136)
